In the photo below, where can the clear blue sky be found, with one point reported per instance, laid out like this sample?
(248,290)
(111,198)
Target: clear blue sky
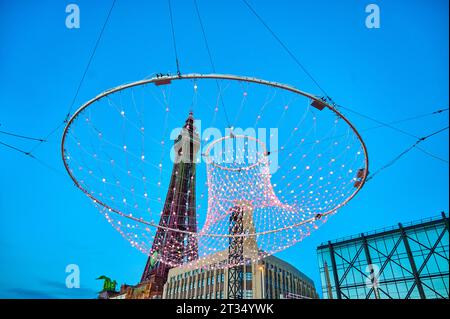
(391,73)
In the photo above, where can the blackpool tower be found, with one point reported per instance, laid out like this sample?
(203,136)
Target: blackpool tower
(178,213)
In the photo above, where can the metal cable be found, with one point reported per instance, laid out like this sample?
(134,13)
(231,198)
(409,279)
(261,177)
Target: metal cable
(395,159)
(23,136)
(174,38)
(289,52)
(81,81)
(211,62)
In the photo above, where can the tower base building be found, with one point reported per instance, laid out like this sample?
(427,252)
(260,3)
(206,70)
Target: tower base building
(271,278)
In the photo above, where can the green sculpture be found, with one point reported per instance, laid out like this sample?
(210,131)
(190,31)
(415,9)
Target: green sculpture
(108,285)
(153,259)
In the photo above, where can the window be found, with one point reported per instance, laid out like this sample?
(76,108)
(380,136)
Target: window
(248,294)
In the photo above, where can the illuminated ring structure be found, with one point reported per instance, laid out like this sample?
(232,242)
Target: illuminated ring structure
(168,79)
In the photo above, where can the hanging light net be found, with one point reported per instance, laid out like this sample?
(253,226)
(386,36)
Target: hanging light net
(282,158)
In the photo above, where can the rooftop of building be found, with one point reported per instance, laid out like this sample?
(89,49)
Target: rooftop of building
(385,230)
(288,266)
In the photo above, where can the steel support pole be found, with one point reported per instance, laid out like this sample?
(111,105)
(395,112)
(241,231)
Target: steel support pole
(373,277)
(327,280)
(335,274)
(412,262)
(445,218)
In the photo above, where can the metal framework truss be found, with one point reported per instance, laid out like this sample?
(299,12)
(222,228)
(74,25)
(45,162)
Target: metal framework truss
(236,254)
(396,263)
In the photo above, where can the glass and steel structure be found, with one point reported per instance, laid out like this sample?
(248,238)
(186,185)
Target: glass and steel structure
(408,261)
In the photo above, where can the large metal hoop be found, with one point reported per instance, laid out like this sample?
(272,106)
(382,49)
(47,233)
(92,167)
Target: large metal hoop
(168,79)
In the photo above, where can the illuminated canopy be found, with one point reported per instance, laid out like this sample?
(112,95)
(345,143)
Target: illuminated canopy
(285,155)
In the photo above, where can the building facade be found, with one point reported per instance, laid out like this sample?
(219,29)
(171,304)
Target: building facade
(408,261)
(244,277)
(272,278)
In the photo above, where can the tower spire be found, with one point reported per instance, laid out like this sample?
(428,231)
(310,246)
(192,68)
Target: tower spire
(179,212)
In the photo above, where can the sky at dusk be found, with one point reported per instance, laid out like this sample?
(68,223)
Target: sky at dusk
(392,73)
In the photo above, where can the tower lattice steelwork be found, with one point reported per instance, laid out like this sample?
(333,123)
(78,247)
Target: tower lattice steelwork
(236,254)
(179,213)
